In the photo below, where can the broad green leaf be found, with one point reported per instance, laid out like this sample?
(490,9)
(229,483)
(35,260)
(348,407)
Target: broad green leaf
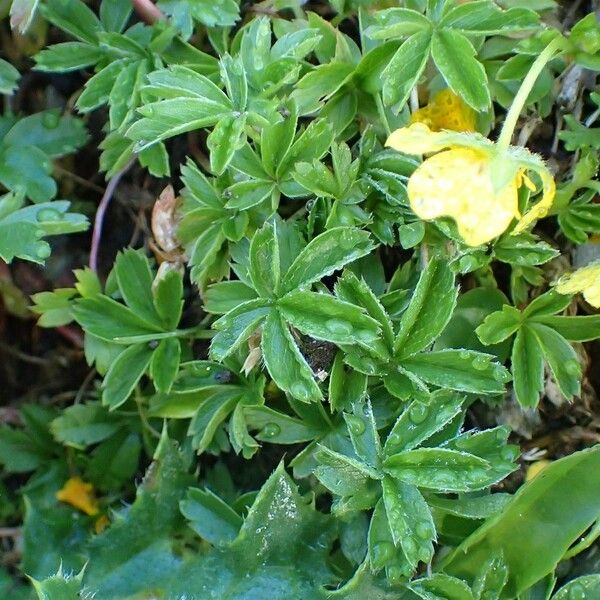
(74,17)
(62,586)
(278,428)
(9,77)
(124,374)
(554,508)
(405,68)
(397,22)
(285,363)
(363,433)
(345,387)
(421,420)
(324,317)
(429,310)
(325,254)
(210,414)
(114,14)
(547,304)
(275,141)
(439,469)
(454,56)
(26,170)
(114,462)
(167,292)
(460,370)
(410,520)
(527,367)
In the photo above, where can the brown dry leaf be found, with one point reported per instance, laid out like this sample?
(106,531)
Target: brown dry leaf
(164,221)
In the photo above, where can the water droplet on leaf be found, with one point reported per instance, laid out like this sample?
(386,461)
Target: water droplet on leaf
(270,430)
(417,413)
(424,530)
(382,553)
(338,326)
(300,391)
(48,215)
(50,120)
(481,363)
(355,424)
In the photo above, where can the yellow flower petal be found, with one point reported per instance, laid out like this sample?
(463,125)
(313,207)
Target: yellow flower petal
(417,139)
(536,468)
(458,184)
(79,494)
(539,210)
(586,280)
(446,111)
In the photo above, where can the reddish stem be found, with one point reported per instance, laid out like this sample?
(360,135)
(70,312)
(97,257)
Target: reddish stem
(99,220)
(148,11)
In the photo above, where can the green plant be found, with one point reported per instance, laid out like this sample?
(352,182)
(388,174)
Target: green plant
(312,354)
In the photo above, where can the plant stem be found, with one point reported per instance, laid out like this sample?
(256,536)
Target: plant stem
(521,98)
(148,11)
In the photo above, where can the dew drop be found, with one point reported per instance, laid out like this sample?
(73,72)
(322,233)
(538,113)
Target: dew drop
(270,430)
(463,354)
(50,120)
(425,554)
(43,251)
(346,241)
(572,368)
(500,374)
(300,391)
(507,454)
(395,574)
(382,553)
(409,546)
(355,424)
(338,326)
(481,363)
(417,413)
(424,530)
(368,365)
(48,215)
(577,592)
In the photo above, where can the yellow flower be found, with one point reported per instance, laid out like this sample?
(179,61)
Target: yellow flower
(471,180)
(446,110)
(79,494)
(586,280)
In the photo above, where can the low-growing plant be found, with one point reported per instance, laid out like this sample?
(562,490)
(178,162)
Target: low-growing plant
(372,260)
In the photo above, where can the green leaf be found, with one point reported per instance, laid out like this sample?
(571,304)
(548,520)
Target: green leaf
(115,461)
(556,508)
(485,18)
(265,268)
(574,329)
(397,22)
(325,254)
(560,357)
(124,374)
(420,421)
(26,170)
(363,433)
(547,304)
(167,290)
(429,311)
(460,370)
(586,586)
(81,425)
(285,363)
(60,586)
(527,367)
(165,364)
(324,317)
(212,411)
(454,56)
(210,517)
(227,136)
(74,17)
(405,68)
(68,56)
(439,469)
(107,319)
(410,520)
(114,14)
(499,326)
(9,78)
(134,276)
(278,428)
(441,586)
(236,327)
